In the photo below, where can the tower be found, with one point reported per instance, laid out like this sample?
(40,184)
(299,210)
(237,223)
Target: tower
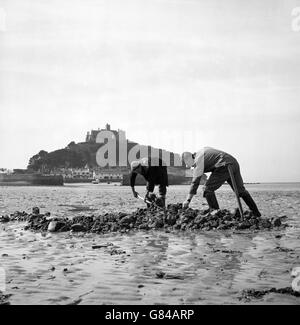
(87,139)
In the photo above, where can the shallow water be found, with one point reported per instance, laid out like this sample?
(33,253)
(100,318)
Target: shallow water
(215,266)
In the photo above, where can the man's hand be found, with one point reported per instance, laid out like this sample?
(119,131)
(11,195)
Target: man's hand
(150,197)
(186,204)
(203,178)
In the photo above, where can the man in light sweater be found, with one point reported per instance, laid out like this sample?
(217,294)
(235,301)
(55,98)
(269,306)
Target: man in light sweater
(215,161)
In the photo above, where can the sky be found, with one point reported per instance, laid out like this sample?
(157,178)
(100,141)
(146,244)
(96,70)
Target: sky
(174,74)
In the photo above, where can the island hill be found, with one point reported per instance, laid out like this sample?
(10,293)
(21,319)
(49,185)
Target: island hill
(78,161)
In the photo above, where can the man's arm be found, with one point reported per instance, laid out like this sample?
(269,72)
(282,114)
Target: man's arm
(132,183)
(193,189)
(194,185)
(198,173)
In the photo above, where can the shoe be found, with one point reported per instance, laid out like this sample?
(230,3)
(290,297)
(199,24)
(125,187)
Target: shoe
(251,204)
(161,202)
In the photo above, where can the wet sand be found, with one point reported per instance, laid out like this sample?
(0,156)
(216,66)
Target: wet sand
(198,267)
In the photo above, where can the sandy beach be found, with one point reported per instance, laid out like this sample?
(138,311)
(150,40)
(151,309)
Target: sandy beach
(199,267)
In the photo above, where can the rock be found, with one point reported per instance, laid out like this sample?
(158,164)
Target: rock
(52,226)
(77,227)
(258,294)
(214,224)
(158,223)
(265,223)
(4,299)
(55,225)
(4,219)
(174,277)
(171,218)
(35,210)
(277,222)
(102,245)
(244,225)
(227,217)
(62,226)
(160,274)
(115,251)
(122,215)
(247,214)
(215,213)
(127,220)
(199,220)
(75,302)
(222,227)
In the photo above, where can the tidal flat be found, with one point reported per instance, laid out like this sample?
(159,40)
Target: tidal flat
(147,267)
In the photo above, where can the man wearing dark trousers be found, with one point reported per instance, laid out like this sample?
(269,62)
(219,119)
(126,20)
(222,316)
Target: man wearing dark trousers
(215,161)
(155,173)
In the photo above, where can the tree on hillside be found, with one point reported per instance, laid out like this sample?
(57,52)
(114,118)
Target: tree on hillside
(71,145)
(36,162)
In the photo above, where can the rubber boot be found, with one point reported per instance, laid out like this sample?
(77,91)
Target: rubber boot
(212,200)
(251,204)
(151,198)
(161,202)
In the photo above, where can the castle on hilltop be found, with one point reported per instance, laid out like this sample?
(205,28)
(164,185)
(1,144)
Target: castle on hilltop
(92,136)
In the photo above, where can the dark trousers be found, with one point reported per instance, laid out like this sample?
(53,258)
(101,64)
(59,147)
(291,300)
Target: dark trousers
(162,189)
(221,175)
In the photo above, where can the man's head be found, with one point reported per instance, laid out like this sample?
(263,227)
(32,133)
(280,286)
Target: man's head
(188,159)
(136,166)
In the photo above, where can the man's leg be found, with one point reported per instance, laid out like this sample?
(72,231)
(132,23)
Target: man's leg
(243,193)
(150,196)
(161,201)
(215,181)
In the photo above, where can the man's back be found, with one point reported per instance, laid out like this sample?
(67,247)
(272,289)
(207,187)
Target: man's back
(156,172)
(213,157)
